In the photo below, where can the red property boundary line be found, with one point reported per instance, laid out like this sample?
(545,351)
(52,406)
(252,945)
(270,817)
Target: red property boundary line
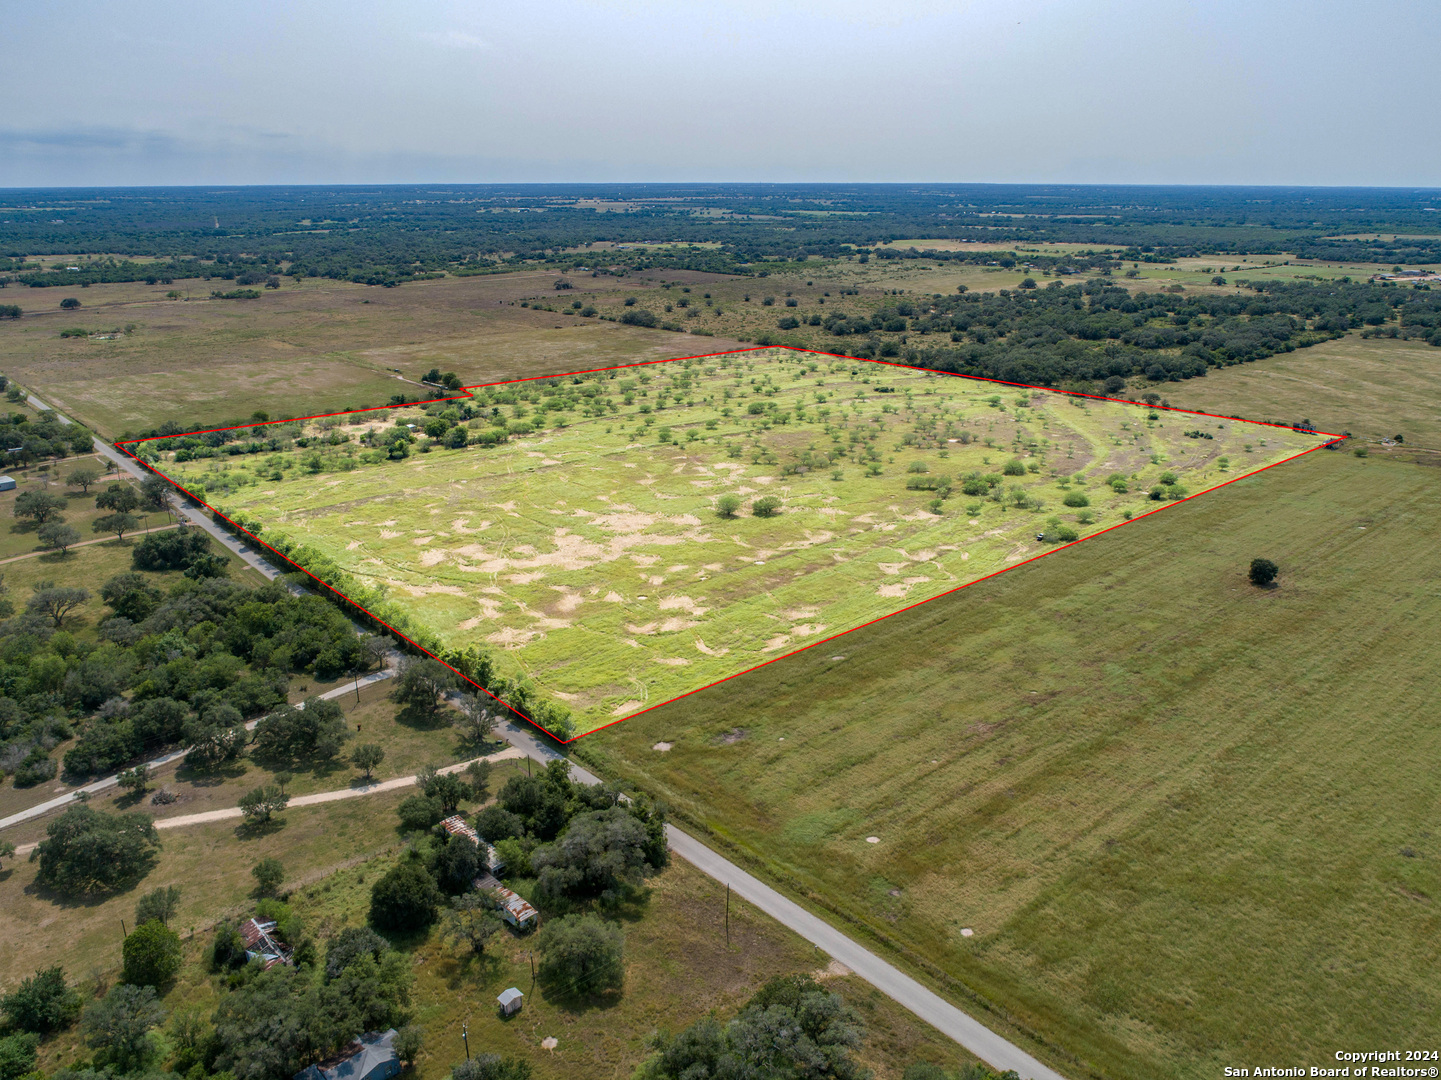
(1330,440)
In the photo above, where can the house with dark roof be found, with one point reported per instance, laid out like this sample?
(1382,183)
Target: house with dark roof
(370,1057)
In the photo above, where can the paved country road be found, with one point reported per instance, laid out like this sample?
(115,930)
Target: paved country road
(991,1048)
(999,1053)
(197,516)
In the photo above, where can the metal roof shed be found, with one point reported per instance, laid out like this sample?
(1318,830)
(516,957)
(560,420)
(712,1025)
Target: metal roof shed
(510,1001)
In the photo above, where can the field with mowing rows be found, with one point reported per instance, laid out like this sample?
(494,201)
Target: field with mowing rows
(1190,823)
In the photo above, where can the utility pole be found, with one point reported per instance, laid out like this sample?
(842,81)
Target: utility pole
(465,1038)
(728,914)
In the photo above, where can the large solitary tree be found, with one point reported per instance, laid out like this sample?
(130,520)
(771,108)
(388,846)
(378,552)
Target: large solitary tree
(85,851)
(1263,572)
(420,686)
(119,497)
(39,506)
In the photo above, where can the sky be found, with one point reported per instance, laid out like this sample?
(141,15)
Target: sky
(155,92)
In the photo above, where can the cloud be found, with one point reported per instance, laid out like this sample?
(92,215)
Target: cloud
(454,39)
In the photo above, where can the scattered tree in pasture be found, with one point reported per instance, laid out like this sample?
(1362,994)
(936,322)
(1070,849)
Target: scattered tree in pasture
(260,803)
(477,775)
(135,781)
(766,506)
(82,476)
(366,757)
(420,686)
(70,303)
(151,954)
(118,523)
(1263,572)
(118,497)
(446,788)
(405,898)
(597,855)
(39,506)
(315,731)
(728,505)
(158,904)
(581,955)
(55,602)
(268,874)
(475,718)
(471,920)
(791,1027)
(57,536)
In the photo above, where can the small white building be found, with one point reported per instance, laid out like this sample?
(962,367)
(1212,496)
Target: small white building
(510,1001)
(7,483)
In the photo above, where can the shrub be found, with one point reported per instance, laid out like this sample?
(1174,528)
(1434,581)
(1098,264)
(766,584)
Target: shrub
(174,549)
(227,949)
(42,1003)
(1263,572)
(118,1025)
(268,874)
(727,505)
(639,317)
(158,905)
(766,507)
(419,813)
(350,945)
(152,955)
(404,899)
(491,1067)
(581,954)
(258,804)
(1014,467)
(1076,498)
(36,768)
(495,824)
(17,1056)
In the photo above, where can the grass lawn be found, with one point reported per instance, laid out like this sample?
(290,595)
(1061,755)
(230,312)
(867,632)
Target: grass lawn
(1189,822)
(593,555)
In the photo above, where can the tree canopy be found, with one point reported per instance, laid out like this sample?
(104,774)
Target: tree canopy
(86,851)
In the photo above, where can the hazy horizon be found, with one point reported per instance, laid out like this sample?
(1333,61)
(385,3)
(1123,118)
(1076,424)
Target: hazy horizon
(158,93)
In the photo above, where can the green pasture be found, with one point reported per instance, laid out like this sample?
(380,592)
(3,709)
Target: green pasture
(1190,823)
(592,554)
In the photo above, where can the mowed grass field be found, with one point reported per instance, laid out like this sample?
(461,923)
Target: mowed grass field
(1191,823)
(592,557)
(1375,388)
